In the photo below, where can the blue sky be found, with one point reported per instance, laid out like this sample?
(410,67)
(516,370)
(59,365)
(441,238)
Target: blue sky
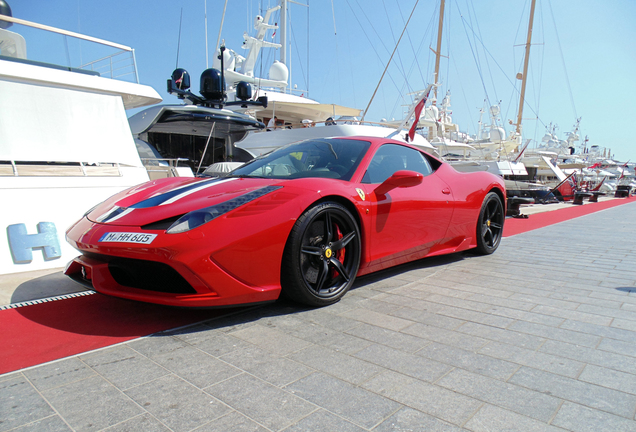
(582,61)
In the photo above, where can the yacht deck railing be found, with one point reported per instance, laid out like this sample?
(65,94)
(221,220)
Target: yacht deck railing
(163,167)
(112,65)
(59,169)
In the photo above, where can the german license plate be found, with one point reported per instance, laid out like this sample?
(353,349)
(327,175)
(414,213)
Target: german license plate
(128,237)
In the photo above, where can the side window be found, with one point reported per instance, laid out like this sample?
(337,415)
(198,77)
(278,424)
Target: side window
(393,157)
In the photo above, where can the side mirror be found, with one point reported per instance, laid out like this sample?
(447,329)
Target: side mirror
(399,179)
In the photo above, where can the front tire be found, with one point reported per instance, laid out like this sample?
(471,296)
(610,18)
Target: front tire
(490,224)
(322,255)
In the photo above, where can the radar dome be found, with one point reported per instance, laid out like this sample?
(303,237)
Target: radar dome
(243,91)
(497,134)
(181,78)
(5,9)
(278,71)
(212,85)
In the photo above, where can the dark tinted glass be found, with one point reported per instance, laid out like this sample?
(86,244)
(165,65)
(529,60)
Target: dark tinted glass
(327,158)
(393,157)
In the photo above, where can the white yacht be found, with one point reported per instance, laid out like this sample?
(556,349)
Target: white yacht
(65,142)
(291,115)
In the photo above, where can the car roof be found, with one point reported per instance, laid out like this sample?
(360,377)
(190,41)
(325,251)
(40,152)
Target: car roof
(378,141)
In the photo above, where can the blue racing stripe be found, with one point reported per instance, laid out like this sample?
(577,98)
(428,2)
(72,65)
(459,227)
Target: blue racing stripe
(160,199)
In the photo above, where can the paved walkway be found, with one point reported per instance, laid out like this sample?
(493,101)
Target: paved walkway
(540,336)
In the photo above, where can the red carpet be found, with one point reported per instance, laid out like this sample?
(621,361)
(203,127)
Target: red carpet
(43,332)
(540,220)
(39,333)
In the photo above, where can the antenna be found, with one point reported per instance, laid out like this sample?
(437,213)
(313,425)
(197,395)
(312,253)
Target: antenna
(205,3)
(179,40)
(220,28)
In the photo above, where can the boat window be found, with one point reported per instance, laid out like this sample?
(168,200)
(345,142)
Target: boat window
(394,157)
(58,169)
(326,158)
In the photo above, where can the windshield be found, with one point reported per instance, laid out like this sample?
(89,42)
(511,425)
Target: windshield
(326,158)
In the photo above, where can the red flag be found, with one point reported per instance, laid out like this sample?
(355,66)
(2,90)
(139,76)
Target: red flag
(598,187)
(625,167)
(418,111)
(596,165)
(180,80)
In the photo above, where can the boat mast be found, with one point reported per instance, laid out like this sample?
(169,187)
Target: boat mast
(283,31)
(283,40)
(439,45)
(525,68)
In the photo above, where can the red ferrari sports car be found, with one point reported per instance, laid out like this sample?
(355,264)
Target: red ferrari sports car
(304,220)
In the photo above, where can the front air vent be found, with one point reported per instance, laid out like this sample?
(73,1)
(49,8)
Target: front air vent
(149,276)
(161,225)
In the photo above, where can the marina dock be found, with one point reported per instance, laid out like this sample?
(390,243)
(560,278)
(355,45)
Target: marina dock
(539,336)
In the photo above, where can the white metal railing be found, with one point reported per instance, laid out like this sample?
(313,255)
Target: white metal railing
(71,169)
(111,65)
(108,69)
(166,169)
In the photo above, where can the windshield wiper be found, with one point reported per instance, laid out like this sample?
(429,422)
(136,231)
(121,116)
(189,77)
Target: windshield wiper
(332,150)
(244,176)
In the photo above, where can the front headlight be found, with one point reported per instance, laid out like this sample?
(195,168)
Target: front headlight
(194,219)
(202,216)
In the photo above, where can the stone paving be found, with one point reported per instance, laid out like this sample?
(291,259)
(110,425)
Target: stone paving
(540,336)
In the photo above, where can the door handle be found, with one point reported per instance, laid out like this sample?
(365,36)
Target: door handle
(446,191)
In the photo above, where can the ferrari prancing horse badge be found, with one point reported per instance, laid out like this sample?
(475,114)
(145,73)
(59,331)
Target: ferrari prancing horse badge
(361,193)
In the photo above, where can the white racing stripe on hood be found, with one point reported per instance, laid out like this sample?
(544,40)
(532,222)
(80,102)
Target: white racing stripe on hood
(187,185)
(120,215)
(191,191)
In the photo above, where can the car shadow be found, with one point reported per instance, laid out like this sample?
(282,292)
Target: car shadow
(421,264)
(283,306)
(50,285)
(100,315)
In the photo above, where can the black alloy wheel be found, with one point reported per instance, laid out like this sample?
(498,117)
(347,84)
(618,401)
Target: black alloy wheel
(322,255)
(490,224)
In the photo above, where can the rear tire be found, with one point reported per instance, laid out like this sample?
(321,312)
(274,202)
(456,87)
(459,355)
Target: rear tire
(322,255)
(490,224)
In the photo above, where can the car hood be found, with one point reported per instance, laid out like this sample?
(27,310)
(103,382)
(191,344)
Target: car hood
(171,198)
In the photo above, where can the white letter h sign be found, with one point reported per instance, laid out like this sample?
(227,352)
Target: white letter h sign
(22,244)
